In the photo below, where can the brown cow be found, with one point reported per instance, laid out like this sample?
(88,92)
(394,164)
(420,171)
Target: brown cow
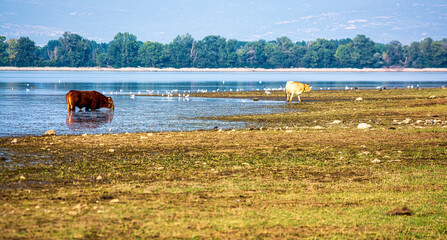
(89,99)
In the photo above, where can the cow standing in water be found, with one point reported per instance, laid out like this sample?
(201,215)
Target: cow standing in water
(89,99)
(295,88)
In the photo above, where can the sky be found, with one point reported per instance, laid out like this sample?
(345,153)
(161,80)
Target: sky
(161,21)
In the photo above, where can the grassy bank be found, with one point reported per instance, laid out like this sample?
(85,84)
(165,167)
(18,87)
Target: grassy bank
(306,173)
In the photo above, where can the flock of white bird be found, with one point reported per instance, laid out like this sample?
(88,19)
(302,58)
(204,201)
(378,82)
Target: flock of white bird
(185,95)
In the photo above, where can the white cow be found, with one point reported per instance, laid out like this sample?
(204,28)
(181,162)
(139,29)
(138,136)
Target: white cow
(295,88)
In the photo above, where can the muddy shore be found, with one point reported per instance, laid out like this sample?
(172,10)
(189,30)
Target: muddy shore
(308,173)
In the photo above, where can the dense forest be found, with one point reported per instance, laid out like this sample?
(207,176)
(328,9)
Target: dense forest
(72,50)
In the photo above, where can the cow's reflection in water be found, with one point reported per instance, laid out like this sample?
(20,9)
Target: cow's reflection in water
(88,120)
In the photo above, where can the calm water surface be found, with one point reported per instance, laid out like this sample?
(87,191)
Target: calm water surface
(33,102)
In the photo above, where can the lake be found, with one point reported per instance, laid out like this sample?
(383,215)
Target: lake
(33,102)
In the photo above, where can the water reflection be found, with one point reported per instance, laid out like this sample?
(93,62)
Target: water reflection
(88,119)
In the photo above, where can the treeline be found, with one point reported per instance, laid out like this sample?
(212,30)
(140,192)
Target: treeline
(72,50)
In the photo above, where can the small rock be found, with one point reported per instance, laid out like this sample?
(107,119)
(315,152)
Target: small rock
(84,134)
(111,150)
(336,122)
(14,140)
(359,99)
(255,99)
(406,121)
(364,126)
(376,161)
(150,134)
(50,132)
(22,177)
(364,153)
(114,200)
(99,177)
(394,160)
(318,127)
(432,96)
(72,213)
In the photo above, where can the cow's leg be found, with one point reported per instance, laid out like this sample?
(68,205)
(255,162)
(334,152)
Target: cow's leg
(291,97)
(287,97)
(299,99)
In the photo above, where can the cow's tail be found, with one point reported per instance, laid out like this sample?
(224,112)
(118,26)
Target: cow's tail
(68,98)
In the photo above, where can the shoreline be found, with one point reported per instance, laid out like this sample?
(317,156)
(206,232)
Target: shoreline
(102,69)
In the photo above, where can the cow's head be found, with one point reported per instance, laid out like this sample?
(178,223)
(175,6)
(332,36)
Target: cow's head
(110,103)
(306,87)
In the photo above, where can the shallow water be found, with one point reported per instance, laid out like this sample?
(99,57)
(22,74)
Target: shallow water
(33,102)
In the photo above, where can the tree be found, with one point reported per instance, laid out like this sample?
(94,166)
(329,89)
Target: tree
(394,54)
(438,55)
(320,54)
(101,54)
(253,54)
(359,53)
(4,58)
(343,56)
(282,53)
(12,51)
(24,55)
(181,51)
(364,52)
(74,50)
(48,53)
(151,54)
(413,56)
(123,50)
(228,55)
(209,51)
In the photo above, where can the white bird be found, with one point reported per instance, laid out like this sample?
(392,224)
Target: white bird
(132,96)
(267,92)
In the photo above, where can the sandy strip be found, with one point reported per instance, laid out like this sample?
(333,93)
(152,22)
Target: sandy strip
(99,69)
